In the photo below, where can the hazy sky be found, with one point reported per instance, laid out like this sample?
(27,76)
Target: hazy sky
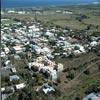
(53,0)
(17,3)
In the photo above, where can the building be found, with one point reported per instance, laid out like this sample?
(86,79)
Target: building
(13,70)
(18,49)
(47,89)
(53,75)
(20,86)
(92,96)
(14,78)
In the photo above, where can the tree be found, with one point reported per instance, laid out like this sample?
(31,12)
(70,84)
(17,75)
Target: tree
(5,79)
(70,75)
(89,99)
(58,80)
(87,72)
(77,98)
(12,97)
(27,48)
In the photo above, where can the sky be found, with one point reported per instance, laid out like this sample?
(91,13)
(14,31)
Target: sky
(25,3)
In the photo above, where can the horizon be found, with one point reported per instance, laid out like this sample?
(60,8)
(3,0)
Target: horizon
(36,3)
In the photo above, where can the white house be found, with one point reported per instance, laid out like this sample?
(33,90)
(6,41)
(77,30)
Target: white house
(3,54)
(77,52)
(93,44)
(20,86)
(18,49)
(46,88)
(3,89)
(6,50)
(78,49)
(46,50)
(11,11)
(49,34)
(21,12)
(34,28)
(7,62)
(36,48)
(53,75)
(60,67)
(17,57)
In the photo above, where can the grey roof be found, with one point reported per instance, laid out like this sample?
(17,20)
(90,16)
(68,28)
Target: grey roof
(92,96)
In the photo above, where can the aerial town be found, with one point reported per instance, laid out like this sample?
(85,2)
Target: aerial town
(40,62)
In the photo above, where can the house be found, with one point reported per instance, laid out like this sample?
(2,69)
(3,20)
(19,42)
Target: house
(3,54)
(36,49)
(17,57)
(7,62)
(14,77)
(67,12)
(6,50)
(18,49)
(76,52)
(20,86)
(58,11)
(2,12)
(38,12)
(60,67)
(49,34)
(34,28)
(78,49)
(30,65)
(93,38)
(92,96)
(53,75)
(4,96)
(21,12)
(13,70)
(46,50)
(50,56)
(93,44)
(2,89)
(11,11)
(47,89)
(62,38)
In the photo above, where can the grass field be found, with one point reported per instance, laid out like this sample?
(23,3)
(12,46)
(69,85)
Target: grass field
(81,82)
(66,20)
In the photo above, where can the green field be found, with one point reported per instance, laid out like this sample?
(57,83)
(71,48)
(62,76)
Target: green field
(66,20)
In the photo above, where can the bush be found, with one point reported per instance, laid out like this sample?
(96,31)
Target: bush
(77,98)
(58,80)
(70,75)
(87,72)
